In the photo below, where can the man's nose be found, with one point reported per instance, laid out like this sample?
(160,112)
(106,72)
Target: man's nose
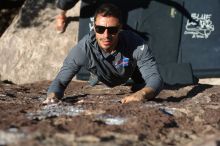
(106,33)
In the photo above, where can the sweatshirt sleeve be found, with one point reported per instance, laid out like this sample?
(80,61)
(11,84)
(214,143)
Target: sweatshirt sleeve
(148,67)
(71,65)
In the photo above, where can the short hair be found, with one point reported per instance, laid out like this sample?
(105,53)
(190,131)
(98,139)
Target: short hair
(108,10)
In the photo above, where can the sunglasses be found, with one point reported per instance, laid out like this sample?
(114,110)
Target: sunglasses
(101,29)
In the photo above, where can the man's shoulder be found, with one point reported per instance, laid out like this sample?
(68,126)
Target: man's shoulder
(87,40)
(88,37)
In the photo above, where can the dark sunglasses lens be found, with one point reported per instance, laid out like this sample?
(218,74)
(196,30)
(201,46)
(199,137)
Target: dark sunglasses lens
(113,30)
(100,29)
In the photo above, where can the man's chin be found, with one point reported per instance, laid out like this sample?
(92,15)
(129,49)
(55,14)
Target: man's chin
(106,48)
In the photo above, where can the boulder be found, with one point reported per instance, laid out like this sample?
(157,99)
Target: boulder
(30,49)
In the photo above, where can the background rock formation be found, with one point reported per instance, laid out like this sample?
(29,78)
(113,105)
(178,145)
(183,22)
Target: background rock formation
(30,49)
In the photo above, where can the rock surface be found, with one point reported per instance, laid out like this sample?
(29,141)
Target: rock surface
(93,116)
(30,49)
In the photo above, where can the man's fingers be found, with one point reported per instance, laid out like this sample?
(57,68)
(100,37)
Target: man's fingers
(126,99)
(51,98)
(47,101)
(123,100)
(131,99)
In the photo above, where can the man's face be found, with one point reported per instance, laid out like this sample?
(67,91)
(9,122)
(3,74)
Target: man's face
(107,29)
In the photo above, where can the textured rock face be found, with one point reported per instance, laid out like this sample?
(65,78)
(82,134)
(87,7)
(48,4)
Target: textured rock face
(30,49)
(93,116)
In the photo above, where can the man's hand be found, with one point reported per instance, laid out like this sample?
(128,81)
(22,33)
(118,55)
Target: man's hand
(141,95)
(51,98)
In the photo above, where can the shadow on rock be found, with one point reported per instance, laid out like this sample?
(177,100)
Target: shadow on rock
(29,14)
(31,10)
(73,99)
(193,92)
(69,20)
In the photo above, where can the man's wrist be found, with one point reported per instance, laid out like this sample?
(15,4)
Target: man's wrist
(147,92)
(54,95)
